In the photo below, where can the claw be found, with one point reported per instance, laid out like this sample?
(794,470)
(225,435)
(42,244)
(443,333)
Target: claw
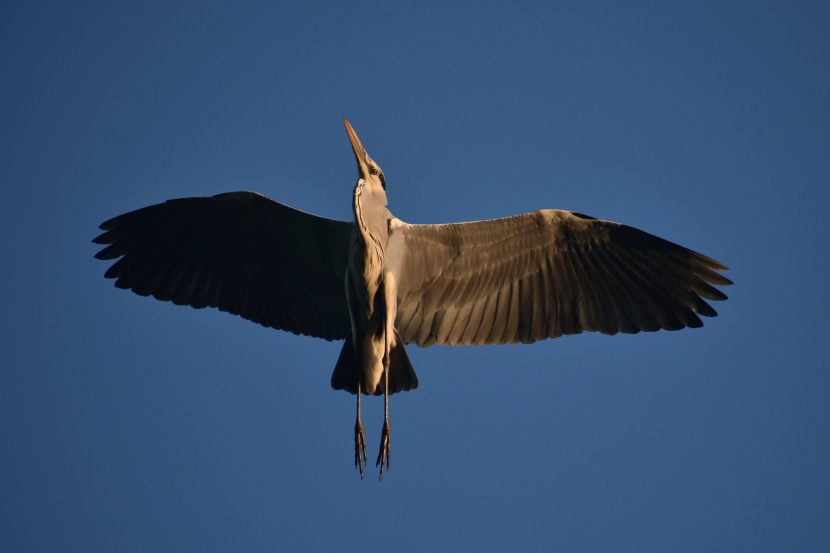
(385,448)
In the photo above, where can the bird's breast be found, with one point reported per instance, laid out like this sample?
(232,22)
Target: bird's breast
(365,270)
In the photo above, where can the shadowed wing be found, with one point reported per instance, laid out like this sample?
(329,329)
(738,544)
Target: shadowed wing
(239,252)
(542,275)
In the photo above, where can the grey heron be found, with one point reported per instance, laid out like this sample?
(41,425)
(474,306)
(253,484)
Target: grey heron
(379,283)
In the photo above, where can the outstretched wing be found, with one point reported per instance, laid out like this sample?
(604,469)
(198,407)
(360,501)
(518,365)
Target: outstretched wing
(541,275)
(239,252)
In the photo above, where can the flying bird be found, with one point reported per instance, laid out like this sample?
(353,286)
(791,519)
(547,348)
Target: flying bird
(379,283)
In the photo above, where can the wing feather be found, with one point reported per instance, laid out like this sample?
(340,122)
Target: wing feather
(239,252)
(542,275)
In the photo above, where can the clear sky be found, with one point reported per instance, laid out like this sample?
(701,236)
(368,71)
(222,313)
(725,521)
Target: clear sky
(127,424)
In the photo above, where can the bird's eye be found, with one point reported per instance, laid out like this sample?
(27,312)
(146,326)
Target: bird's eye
(373,170)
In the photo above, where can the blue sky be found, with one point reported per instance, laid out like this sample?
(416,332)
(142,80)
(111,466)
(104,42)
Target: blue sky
(127,424)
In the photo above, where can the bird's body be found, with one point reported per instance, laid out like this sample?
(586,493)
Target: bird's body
(366,282)
(379,283)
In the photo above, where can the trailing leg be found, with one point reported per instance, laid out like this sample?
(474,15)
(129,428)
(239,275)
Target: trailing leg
(359,438)
(391,305)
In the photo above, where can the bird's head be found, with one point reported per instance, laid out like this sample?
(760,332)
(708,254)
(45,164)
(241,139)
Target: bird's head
(367,169)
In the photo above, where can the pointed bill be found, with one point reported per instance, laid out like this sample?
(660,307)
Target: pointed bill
(359,151)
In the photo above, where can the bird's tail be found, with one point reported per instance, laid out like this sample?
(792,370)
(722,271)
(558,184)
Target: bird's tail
(402,376)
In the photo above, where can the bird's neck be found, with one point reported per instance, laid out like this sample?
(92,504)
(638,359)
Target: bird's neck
(371,217)
(372,222)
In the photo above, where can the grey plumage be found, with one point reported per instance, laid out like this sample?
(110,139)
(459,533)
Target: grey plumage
(377,282)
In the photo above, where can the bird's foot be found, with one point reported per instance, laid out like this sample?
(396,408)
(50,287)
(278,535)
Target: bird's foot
(359,448)
(385,448)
